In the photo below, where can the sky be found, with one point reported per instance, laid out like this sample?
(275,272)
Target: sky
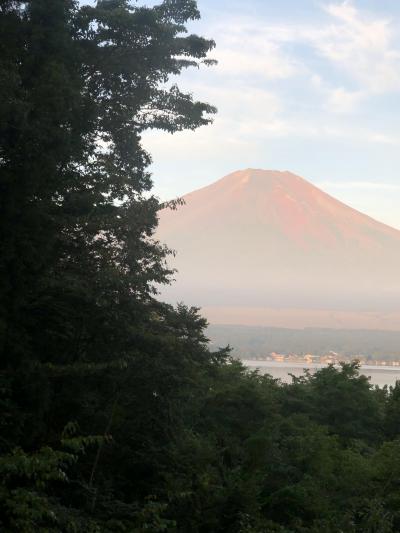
(309,86)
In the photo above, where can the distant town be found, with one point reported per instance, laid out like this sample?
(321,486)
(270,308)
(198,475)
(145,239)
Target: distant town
(329,358)
(307,345)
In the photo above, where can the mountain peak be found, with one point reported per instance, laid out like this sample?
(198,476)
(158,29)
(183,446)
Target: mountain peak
(283,205)
(267,181)
(260,175)
(270,235)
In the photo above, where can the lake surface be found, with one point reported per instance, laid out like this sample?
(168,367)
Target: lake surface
(379,375)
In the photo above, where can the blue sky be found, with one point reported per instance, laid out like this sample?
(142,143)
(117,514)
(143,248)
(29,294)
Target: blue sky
(307,86)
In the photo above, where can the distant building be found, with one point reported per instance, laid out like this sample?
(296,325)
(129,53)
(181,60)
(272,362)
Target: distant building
(310,358)
(278,357)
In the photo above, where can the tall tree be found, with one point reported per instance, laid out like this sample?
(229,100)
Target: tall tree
(82,84)
(78,261)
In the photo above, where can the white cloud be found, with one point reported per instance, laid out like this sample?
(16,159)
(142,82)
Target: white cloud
(337,99)
(342,101)
(345,11)
(362,45)
(245,48)
(316,81)
(244,113)
(353,132)
(383,138)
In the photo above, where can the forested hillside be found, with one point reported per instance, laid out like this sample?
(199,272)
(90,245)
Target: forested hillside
(115,415)
(253,341)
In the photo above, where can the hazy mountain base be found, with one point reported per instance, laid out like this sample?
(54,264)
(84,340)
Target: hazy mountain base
(300,318)
(252,341)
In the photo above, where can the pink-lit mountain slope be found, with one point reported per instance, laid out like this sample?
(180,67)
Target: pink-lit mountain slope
(260,238)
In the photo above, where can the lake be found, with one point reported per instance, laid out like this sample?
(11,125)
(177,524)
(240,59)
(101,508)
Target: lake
(379,375)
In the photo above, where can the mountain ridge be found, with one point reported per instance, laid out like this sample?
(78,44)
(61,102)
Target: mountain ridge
(241,180)
(258,237)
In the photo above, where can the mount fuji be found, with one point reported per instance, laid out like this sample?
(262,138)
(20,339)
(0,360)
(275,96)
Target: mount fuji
(269,240)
